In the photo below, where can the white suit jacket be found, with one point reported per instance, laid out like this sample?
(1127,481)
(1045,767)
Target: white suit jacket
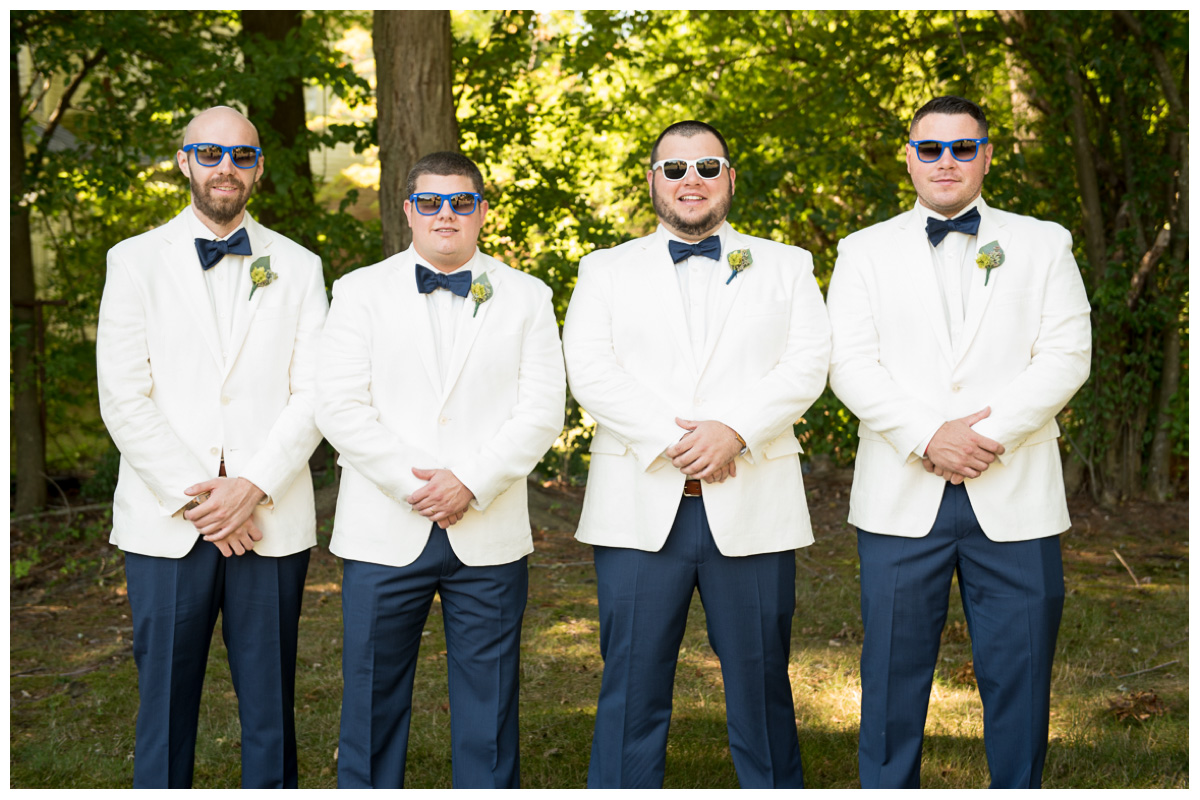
(172,403)
(631,366)
(1024,350)
(383,406)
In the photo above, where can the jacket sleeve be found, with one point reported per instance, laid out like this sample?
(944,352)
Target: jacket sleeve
(855,373)
(147,442)
(344,410)
(627,409)
(512,452)
(294,434)
(1060,359)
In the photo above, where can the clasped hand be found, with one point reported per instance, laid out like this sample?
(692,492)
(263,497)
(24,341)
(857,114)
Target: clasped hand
(956,452)
(707,451)
(225,518)
(443,499)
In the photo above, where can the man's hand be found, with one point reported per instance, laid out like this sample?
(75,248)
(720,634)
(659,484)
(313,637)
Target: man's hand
(727,471)
(953,477)
(241,541)
(230,503)
(959,451)
(705,450)
(444,499)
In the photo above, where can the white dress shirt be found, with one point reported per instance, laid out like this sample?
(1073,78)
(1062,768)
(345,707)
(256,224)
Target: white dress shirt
(953,265)
(222,280)
(445,309)
(697,275)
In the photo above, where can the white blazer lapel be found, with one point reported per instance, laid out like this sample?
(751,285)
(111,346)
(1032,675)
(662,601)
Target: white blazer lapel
(470,319)
(183,265)
(913,256)
(990,230)
(661,289)
(727,292)
(246,302)
(412,316)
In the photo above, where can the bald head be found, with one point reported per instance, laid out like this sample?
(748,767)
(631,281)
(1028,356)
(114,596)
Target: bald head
(218,124)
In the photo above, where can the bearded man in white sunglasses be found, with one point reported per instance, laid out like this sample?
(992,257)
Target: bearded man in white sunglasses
(695,349)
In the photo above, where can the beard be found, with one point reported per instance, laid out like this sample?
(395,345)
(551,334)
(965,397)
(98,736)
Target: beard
(221,210)
(712,219)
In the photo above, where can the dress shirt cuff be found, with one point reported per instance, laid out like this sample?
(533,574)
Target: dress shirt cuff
(919,451)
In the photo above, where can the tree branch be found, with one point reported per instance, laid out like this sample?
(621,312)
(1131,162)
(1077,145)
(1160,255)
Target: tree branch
(64,104)
(1148,262)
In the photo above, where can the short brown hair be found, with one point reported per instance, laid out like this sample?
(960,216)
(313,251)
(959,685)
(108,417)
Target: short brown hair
(444,163)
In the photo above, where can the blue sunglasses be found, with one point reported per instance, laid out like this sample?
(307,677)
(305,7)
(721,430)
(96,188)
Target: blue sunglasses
(430,203)
(244,156)
(930,150)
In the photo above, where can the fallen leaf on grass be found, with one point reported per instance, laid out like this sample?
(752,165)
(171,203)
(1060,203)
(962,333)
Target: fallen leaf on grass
(1137,705)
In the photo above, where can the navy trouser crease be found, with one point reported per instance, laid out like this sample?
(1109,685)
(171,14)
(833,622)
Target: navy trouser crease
(1012,595)
(644,598)
(175,603)
(384,613)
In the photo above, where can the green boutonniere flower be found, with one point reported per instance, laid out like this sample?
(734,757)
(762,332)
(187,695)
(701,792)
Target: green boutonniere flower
(481,291)
(261,274)
(990,256)
(738,261)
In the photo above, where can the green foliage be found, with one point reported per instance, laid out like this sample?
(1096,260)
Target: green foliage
(145,74)
(560,110)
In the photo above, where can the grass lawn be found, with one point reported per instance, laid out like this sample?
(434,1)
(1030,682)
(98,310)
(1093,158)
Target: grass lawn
(1120,702)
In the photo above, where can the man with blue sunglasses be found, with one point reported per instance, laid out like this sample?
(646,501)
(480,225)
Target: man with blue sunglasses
(959,332)
(441,387)
(205,354)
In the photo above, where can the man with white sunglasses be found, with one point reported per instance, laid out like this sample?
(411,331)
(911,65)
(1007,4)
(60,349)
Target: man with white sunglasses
(441,386)
(206,354)
(959,332)
(695,349)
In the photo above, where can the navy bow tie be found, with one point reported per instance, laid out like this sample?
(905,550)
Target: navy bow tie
(211,252)
(428,280)
(937,229)
(709,248)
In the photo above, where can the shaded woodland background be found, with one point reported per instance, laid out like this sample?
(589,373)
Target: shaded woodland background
(1088,112)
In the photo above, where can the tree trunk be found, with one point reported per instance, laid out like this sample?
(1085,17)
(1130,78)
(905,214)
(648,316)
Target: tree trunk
(415,106)
(1159,481)
(282,124)
(27,410)
(1085,168)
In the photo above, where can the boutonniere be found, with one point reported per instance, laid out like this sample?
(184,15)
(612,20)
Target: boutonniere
(990,256)
(261,274)
(738,261)
(481,291)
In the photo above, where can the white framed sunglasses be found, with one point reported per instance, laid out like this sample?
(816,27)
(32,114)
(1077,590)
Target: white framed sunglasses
(674,169)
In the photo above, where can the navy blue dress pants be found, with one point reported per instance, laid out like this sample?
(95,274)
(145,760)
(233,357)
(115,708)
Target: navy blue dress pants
(175,603)
(384,610)
(1012,596)
(644,599)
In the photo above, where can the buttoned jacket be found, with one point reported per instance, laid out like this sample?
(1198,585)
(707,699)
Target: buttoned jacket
(632,367)
(1024,350)
(174,402)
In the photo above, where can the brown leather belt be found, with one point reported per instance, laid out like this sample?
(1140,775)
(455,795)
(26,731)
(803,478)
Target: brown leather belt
(691,487)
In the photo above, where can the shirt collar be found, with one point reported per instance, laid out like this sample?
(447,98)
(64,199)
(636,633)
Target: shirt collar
(722,233)
(201,231)
(924,212)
